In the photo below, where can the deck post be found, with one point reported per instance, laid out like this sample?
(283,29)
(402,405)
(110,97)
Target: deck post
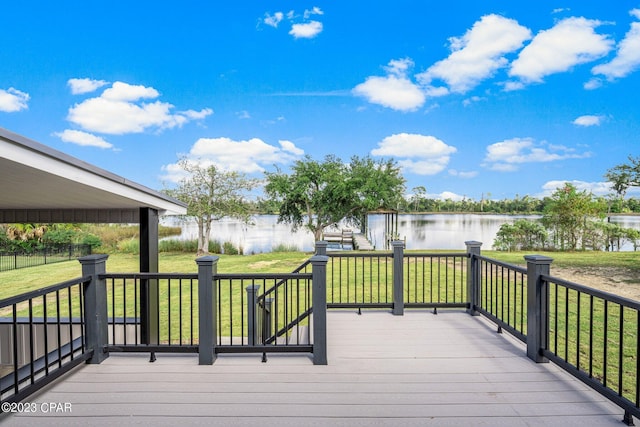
(398,275)
(537,295)
(319,301)
(96,322)
(473,276)
(207,269)
(321,247)
(149,297)
(252,313)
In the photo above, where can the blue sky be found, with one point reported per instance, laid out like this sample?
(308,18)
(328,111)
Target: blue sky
(472,98)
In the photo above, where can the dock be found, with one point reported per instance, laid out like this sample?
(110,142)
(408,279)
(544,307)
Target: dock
(347,239)
(361,243)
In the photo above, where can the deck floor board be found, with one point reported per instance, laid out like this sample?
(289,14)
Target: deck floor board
(384,370)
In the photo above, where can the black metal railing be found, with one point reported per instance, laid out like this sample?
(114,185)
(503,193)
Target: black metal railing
(50,255)
(170,311)
(594,336)
(43,337)
(503,295)
(264,312)
(435,280)
(359,280)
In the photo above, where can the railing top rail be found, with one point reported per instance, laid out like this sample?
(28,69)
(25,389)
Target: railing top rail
(261,276)
(436,254)
(43,291)
(592,291)
(148,276)
(360,254)
(502,264)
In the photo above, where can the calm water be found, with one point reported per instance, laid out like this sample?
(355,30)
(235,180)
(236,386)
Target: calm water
(428,231)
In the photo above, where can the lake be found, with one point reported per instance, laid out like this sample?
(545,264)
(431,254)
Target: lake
(421,231)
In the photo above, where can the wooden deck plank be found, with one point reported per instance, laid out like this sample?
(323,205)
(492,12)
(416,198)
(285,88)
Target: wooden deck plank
(384,370)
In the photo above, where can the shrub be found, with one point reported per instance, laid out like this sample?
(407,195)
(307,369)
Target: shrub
(91,240)
(521,235)
(283,247)
(229,249)
(130,246)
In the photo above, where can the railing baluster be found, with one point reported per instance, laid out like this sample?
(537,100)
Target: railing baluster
(605,350)
(620,350)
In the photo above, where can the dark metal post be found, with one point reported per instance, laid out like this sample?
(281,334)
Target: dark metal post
(319,300)
(149,321)
(537,295)
(473,276)
(95,307)
(321,247)
(207,269)
(252,312)
(398,277)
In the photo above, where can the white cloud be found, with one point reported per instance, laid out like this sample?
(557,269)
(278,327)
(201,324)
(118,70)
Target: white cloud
(478,53)
(597,188)
(13,100)
(570,42)
(588,120)
(395,90)
(315,11)
(197,115)
(469,101)
(505,156)
(462,174)
(627,57)
(82,138)
(592,84)
(80,86)
(419,154)
(244,114)
(290,147)
(511,86)
(301,27)
(307,30)
(447,195)
(120,91)
(273,20)
(119,110)
(241,156)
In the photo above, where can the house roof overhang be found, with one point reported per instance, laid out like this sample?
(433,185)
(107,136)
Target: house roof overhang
(40,184)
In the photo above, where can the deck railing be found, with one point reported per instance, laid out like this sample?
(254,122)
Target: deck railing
(171,317)
(254,312)
(594,335)
(502,289)
(42,336)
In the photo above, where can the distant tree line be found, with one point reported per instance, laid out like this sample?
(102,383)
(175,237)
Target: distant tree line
(516,205)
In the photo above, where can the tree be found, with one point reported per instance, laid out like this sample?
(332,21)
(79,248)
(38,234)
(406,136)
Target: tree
(319,194)
(624,175)
(211,194)
(567,214)
(419,194)
(521,235)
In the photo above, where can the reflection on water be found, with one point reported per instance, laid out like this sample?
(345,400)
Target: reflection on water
(424,231)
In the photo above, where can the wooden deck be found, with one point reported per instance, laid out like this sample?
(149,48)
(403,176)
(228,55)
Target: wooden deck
(419,369)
